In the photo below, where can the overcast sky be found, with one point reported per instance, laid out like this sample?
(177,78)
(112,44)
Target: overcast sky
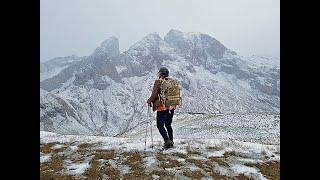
(78,26)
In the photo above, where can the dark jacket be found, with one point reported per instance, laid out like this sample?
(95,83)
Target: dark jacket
(154,98)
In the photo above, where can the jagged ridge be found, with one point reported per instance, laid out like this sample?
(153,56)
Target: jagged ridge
(108,89)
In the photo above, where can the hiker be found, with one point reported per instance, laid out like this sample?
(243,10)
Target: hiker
(165,103)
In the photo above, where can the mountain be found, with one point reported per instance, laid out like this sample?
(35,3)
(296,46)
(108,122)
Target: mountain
(259,61)
(105,93)
(54,66)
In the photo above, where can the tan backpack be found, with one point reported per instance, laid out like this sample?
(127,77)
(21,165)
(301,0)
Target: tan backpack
(170,92)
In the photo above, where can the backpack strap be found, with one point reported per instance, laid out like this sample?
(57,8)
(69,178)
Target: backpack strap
(161,99)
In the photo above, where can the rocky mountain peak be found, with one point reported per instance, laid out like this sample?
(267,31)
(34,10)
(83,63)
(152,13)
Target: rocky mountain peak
(153,37)
(103,95)
(195,44)
(109,47)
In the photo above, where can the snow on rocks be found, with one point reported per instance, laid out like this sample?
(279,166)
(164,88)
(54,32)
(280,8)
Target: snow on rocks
(249,171)
(77,168)
(44,158)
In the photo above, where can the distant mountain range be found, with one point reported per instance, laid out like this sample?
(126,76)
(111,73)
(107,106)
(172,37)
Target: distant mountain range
(105,93)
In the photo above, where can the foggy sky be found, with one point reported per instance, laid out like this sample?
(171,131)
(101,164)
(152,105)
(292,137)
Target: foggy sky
(77,27)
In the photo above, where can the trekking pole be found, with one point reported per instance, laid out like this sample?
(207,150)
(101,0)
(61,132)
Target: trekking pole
(150,127)
(145,139)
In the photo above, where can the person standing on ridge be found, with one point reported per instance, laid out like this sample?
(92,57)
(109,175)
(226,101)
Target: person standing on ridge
(164,99)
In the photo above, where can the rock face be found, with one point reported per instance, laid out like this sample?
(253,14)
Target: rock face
(196,47)
(108,48)
(55,66)
(89,70)
(105,92)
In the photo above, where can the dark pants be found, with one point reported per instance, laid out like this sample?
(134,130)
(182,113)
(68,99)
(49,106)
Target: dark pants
(164,118)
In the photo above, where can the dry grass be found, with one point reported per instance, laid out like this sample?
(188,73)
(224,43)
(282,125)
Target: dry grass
(62,149)
(181,155)
(242,177)
(47,148)
(94,171)
(57,176)
(218,176)
(50,170)
(85,146)
(132,157)
(270,170)
(170,164)
(135,162)
(204,164)
(221,161)
(238,154)
(100,164)
(213,148)
(229,154)
(191,151)
(104,154)
(163,174)
(112,173)
(194,152)
(194,174)
(161,157)
(76,159)
(56,164)
(97,170)
(200,163)
(208,166)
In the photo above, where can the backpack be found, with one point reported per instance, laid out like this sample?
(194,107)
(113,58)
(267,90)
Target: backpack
(170,92)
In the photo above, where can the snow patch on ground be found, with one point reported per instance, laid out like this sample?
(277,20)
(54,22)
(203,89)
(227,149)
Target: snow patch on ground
(249,171)
(149,160)
(73,148)
(238,154)
(44,158)
(137,144)
(57,146)
(78,168)
(215,154)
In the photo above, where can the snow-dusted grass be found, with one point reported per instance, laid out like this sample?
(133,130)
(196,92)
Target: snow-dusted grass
(249,171)
(44,158)
(78,168)
(102,157)
(262,128)
(242,146)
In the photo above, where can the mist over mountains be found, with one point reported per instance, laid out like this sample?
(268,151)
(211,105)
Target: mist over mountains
(105,92)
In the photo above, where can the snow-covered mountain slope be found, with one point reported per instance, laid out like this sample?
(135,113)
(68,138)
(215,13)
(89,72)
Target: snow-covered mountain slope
(262,128)
(57,114)
(54,66)
(258,61)
(108,89)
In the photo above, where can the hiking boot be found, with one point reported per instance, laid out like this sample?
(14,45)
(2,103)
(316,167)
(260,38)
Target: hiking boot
(168,143)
